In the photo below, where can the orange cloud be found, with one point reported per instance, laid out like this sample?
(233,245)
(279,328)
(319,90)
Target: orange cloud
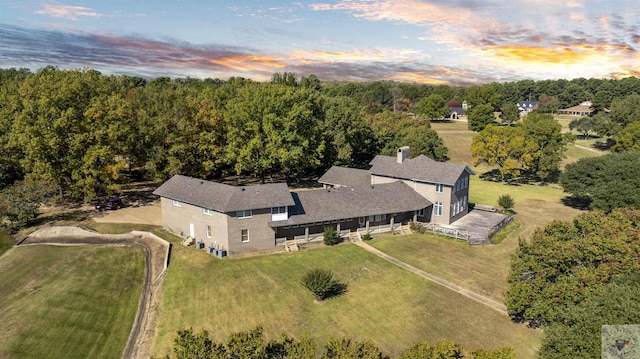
(416,77)
(531,54)
(67,11)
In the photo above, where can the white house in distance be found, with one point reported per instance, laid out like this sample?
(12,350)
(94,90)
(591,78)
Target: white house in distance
(394,191)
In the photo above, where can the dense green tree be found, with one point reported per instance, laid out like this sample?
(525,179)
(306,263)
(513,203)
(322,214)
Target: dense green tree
(546,144)
(577,333)
(501,146)
(565,263)
(274,127)
(480,116)
(289,348)
(350,140)
(249,344)
(441,350)
(188,345)
(20,202)
(609,181)
(604,126)
(628,139)
(625,110)
(432,107)
(548,104)
(395,130)
(285,78)
(510,113)
(584,125)
(500,353)
(311,82)
(483,95)
(346,348)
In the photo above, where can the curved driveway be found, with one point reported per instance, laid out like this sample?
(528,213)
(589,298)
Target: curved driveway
(156,260)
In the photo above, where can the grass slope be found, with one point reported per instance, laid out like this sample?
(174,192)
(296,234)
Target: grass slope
(5,242)
(68,302)
(384,303)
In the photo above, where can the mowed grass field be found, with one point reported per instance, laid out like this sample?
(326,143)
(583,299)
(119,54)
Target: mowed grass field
(68,302)
(389,305)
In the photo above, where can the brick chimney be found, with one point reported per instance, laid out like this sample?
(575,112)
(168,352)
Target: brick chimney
(403,153)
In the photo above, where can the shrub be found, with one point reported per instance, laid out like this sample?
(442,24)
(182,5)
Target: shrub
(366,237)
(322,284)
(506,202)
(417,228)
(330,236)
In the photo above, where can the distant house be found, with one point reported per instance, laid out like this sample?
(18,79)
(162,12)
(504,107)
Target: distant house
(394,191)
(527,106)
(456,113)
(583,109)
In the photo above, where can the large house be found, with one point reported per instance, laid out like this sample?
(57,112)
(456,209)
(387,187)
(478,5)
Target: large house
(583,109)
(394,191)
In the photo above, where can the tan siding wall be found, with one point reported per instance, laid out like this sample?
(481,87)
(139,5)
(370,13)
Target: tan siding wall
(178,220)
(261,236)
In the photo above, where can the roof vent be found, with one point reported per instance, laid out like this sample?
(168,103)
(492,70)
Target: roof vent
(244,189)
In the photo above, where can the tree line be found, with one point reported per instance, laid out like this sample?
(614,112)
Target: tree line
(573,277)
(252,345)
(86,134)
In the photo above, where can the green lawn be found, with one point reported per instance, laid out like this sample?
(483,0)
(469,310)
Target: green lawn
(68,302)
(384,303)
(5,242)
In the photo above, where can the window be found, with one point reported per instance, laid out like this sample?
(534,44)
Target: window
(208,231)
(177,203)
(439,188)
(247,213)
(437,209)
(279,213)
(244,234)
(361,221)
(420,212)
(464,202)
(378,218)
(207,211)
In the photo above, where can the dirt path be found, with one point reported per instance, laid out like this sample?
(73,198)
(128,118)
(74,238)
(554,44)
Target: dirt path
(499,307)
(156,261)
(589,149)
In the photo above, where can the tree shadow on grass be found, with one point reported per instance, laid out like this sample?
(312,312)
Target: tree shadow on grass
(604,145)
(581,203)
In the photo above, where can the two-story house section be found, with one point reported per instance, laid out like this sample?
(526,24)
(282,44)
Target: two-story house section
(229,217)
(446,185)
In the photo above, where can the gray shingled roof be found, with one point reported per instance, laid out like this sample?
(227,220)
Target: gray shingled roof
(340,203)
(224,198)
(421,168)
(347,177)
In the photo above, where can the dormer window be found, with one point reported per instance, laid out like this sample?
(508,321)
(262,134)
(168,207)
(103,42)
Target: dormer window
(279,213)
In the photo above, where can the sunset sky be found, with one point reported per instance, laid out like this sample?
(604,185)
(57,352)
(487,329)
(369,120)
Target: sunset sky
(455,42)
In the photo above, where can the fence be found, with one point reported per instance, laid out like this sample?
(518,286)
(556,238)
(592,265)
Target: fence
(449,232)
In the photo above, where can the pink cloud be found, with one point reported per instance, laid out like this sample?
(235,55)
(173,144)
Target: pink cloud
(67,11)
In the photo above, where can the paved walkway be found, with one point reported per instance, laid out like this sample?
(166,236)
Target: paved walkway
(499,307)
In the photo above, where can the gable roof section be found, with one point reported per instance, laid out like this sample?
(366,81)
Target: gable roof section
(421,168)
(224,198)
(351,202)
(346,177)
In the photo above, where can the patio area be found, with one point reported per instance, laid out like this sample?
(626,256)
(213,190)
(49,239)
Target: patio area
(477,227)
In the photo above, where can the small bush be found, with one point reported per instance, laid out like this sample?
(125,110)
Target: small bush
(417,228)
(506,202)
(330,236)
(322,284)
(366,237)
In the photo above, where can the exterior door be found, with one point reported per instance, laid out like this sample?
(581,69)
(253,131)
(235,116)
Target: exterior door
(192,230)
